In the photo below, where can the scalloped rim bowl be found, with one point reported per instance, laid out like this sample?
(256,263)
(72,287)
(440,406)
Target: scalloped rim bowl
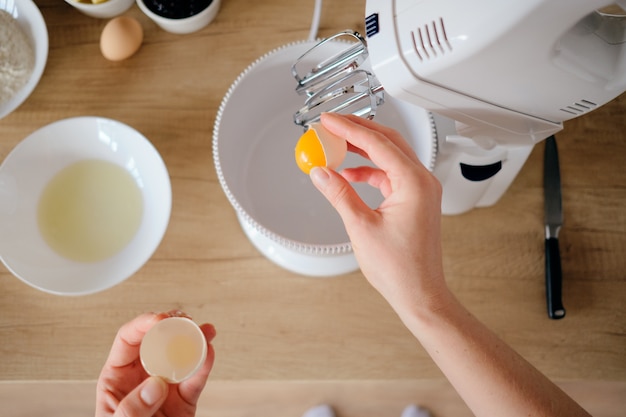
(35,161)
(32,23)
(279,209)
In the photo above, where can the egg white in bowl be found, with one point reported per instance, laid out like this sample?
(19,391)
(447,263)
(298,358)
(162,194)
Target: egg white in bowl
(278,207)
(32,168)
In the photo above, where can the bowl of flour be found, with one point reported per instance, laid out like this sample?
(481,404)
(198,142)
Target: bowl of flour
(23,52)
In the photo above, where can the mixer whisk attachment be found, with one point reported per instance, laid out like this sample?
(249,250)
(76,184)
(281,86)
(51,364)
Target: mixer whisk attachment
(336,82)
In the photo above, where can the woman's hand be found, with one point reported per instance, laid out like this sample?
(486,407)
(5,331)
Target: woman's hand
(397,244)
(125,389)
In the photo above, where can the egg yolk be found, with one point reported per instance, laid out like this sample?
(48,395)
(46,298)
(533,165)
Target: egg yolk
(310,152)
(182,351)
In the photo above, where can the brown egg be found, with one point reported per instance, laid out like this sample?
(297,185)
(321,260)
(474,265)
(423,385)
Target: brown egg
(121,38)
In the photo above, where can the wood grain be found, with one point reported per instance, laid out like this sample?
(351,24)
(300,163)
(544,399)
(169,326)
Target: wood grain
(272,324)
(364,398)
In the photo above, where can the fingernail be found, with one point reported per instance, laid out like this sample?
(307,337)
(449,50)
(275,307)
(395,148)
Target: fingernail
(319,175)
(210,332)
(153,390)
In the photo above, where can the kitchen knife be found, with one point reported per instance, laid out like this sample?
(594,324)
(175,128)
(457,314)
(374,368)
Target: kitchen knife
(554,221)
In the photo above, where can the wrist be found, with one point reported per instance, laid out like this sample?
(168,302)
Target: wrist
(426,311)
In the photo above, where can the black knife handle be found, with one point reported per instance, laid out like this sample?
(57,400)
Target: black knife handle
(554,279)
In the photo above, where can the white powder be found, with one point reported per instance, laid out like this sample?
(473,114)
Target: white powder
(17,58)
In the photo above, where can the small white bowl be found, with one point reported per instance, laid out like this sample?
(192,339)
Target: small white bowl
(185,25)
(31,21)
(29,168)
(278,207)
(106,10)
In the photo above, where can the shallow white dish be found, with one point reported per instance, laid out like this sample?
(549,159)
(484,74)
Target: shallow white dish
(280,211)
(31,21)
(34,162)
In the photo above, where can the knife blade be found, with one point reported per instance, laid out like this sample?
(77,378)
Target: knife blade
(553,223)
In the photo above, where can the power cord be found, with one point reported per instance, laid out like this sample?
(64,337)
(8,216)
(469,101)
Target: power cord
(315,23)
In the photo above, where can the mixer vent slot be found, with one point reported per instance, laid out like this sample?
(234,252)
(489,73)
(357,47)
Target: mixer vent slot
(430,40)
(371,25)
(579,107)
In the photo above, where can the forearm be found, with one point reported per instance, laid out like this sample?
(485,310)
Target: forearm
(489,375)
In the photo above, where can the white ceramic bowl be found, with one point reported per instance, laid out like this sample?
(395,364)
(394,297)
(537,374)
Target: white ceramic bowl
(106,10)
(35,161)
(186,25)
(31,21)
(280,211)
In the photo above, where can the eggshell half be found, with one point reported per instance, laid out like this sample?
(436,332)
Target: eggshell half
(335,148)
(173,349)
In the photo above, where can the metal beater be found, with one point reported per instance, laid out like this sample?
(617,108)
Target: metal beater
(342,83)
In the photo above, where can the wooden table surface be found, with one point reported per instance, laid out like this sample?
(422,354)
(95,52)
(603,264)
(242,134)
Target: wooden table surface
(272,324)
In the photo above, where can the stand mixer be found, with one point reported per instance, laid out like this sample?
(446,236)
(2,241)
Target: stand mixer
(497,76)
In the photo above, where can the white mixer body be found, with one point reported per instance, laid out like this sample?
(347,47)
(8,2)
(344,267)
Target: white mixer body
(500,76)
